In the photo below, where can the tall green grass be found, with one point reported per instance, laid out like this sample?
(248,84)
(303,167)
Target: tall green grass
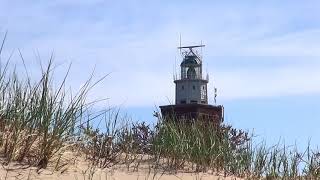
(36,118)
(201,147)
(203,144)
(172,146)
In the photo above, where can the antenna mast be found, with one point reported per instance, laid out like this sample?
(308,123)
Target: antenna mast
(201,50)
(190,51)
(180,43)
(215,95)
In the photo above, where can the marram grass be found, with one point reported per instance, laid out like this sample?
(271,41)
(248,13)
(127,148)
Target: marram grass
(36,119)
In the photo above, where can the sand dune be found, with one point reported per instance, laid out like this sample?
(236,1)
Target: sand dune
(76,168)
(106,174)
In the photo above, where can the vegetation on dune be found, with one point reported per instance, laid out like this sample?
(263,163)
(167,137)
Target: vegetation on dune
(38,120)
(201,147)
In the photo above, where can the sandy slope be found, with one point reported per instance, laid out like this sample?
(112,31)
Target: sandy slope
(30,173)
(79,169)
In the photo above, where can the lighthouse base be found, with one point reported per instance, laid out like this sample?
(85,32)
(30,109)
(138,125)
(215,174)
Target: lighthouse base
(193,112)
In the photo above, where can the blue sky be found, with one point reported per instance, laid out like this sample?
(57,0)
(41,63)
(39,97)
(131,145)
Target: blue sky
(263,56)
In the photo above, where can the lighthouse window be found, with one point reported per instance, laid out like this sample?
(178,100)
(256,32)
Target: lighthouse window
(191,73)
(194,87)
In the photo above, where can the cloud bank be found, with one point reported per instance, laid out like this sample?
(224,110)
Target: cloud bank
(253,50)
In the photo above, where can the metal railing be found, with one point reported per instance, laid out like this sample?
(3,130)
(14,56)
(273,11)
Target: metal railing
(178,77)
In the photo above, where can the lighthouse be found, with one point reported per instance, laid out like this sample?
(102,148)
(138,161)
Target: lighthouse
(191,91)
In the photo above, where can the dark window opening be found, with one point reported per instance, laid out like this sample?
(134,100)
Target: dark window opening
(193,101)
(182,87)
(191,73)
(194,87)
(203,102)
(183,102)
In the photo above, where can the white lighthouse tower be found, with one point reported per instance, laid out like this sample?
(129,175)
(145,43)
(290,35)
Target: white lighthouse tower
(191,92)
(191,86)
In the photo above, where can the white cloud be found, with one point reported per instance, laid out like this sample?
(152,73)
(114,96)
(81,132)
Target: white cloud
(285,81)
(138,45)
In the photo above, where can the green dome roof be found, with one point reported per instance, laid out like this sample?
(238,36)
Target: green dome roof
(190,60)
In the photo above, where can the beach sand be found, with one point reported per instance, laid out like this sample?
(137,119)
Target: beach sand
(75,167)
(105,174)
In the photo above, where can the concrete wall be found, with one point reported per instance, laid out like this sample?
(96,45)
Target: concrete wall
(190,90)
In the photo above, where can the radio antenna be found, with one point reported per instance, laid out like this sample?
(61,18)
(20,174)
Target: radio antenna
(180,42)
(175,67)
(201,51)
(215,95)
